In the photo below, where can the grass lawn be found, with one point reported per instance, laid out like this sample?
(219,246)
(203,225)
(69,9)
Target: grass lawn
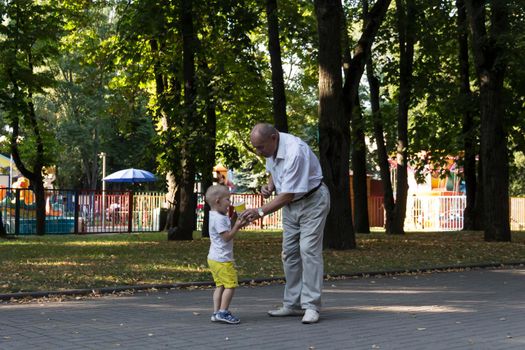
(54,263)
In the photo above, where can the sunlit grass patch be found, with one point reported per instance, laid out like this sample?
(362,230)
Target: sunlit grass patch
(45,263)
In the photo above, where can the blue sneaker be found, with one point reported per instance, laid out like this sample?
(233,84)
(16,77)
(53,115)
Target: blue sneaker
(214,317)
(226,317)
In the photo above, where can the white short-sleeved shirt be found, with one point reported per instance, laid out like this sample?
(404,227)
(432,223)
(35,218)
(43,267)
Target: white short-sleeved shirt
(220,250)
(295,168)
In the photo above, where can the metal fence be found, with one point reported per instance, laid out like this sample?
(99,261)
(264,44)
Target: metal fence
(82,211)
(423,213)
(435,213)
(517,214)
(268,222)
(445,213)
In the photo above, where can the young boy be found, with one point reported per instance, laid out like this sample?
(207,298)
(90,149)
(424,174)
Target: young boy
(220,256)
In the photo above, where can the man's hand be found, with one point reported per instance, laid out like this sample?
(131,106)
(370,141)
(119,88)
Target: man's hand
(267,190)
(250,214)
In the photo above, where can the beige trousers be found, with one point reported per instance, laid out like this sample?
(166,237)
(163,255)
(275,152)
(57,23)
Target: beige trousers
(303,226)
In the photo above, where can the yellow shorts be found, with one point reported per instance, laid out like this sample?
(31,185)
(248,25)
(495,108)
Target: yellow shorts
(224,273)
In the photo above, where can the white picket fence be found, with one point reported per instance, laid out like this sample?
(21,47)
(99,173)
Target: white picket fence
(445,213)
(517,214)
(434,213)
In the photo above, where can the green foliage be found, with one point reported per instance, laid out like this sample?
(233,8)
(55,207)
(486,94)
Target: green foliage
(93,69)
(515,82)
(29,35)
(96,110)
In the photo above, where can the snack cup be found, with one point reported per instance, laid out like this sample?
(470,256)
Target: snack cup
(239,207)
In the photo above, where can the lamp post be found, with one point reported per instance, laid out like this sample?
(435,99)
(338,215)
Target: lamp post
(103,156)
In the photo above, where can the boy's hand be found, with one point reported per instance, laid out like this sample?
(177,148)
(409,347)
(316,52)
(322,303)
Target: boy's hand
(241,222)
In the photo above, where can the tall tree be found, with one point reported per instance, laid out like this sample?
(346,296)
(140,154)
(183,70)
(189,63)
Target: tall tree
(210,135)
(354,70)
(189,125)
(223,54)
(406,25)
(29,34)
(274,46)
(336,106)
(359,177)
(382,153)
(468,127)
(490,47)
(334,128)
(226,86)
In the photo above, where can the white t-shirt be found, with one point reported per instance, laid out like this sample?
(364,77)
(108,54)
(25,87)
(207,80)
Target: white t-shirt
(220,250)
(295,168)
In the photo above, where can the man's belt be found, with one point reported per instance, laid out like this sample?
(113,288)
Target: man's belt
(309,193)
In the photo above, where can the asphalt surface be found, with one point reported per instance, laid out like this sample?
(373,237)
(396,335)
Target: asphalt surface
(470,309)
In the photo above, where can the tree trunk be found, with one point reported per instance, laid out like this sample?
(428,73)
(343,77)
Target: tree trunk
(334,116)
(34,175)
(180,221)
(359,178)
(168,94)
(3,233)
(334,133)
(186,206)
(406,29)
(185,209)
(382,155)
(40,199)
(172,200)
(359,181)
(489,55)
(354,68)
(210,132)
(478,204)
(274,47)
(468,128)
(495,165)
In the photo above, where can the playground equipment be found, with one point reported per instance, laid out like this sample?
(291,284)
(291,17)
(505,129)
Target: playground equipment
(26,197)
(19,210)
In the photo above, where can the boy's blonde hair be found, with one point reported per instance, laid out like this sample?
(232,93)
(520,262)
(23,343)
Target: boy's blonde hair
(214,192)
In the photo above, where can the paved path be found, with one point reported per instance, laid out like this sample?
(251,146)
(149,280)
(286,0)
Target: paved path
(477,309)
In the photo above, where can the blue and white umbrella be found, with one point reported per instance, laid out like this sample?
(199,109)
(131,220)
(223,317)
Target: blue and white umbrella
(130,175)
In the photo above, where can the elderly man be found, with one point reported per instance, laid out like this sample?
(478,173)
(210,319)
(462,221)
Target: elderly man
(296,177)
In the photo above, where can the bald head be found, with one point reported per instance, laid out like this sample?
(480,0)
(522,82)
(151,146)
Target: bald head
(265,139)
(264,130)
